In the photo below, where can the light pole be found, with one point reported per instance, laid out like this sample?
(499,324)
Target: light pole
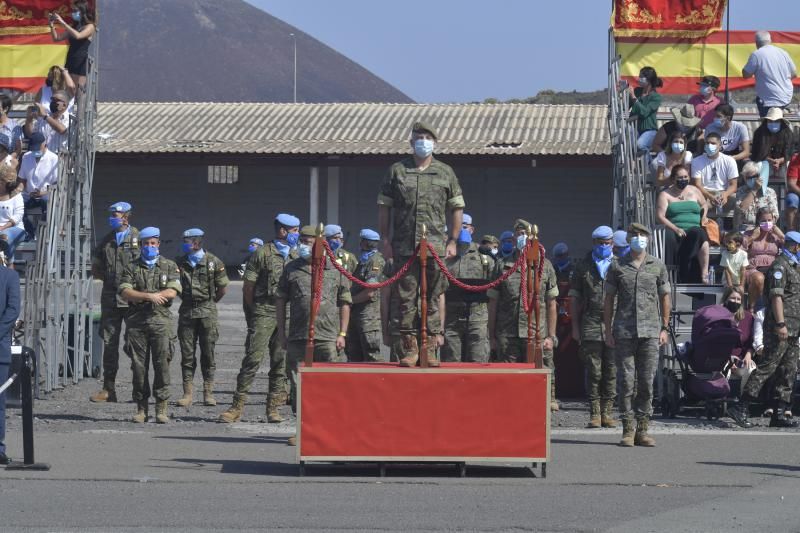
(294,42)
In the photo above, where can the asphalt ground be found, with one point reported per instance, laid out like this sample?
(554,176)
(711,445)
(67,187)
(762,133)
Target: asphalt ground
(196,474)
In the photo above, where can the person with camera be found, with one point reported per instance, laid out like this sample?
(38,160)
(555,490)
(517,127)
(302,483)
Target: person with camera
(79,34)
(53,124)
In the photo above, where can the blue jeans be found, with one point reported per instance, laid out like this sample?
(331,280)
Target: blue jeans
(3,377)
(31,204)
(646,140)
(15,236)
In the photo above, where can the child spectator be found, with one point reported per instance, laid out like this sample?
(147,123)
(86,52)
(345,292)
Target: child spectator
(734,260)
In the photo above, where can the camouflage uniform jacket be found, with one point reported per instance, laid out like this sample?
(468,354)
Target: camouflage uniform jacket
(200,284)
(588,290)
(420,197)
(512,321)
(474,268)
(638,291)
(367,315)
(139,277)
(346,259)
(111,260)
(783,279)
(264,269)
(295,287)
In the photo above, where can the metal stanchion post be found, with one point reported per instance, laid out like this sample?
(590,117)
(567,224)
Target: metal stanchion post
(26,389)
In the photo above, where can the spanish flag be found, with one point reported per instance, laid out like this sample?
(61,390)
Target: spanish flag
(27,50)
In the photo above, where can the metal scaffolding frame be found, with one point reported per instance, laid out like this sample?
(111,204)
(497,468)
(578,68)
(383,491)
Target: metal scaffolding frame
(58,285)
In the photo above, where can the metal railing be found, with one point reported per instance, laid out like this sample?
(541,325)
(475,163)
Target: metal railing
(58,284)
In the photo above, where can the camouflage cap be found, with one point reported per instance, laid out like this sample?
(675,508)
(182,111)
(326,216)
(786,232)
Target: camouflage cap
(422,126)
(522,224)
(308,231)
(635,227)
(490,238)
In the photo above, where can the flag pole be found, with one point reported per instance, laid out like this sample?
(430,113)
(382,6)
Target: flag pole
(727,46)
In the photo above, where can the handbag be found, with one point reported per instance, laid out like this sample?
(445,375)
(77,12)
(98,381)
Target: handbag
(712,230)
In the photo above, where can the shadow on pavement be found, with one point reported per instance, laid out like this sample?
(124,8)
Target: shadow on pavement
(230,440)
(769,466)
(593,443)
(241,466)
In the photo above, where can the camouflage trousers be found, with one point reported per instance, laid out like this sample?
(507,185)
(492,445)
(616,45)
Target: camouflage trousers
(111,320)
(601,370)
(324,352)
(404,302)
(637,360)
(143,344)
(466,333)
(780,359)
(363,344)
(191,332)
(513,350)
(262,338)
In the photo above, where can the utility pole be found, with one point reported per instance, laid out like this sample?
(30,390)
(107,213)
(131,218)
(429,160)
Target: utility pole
(294,42)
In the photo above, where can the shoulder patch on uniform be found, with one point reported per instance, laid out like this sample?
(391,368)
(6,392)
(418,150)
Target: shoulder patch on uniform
(777,274)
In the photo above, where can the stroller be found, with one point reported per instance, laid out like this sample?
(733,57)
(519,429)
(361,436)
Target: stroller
(702,365)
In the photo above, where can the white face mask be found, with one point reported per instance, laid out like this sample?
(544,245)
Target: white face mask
(639,243)
(423,147)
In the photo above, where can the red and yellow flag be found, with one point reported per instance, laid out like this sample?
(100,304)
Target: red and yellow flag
(660,18)
(27,50)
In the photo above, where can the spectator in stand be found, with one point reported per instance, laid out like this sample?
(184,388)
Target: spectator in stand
(715,174)
(752,197)
(58,79)
(676,154)
(12,210)
(790,221)
(734,135)
(645,101)
(9,128)
(6,157)
(734,260)
(763,244)
(79,34)
(620,241)
(684,121)
(733,300)
(38,173)
(773,143)
(53,125)
(706,101)
(774,71)
(682,209)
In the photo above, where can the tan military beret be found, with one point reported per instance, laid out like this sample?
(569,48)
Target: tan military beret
(422,126)
(638,228)
(308,231)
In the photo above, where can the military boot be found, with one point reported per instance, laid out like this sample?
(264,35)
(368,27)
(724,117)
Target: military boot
(433,357)
(161,412)
(186,400)
(234,413)
(642,438)
(780,420)
(141,412)
(739,414)
(292,441)
(208,393)
(628,432)
(410,350)
(554,406)
(606,413)
(273,402)
(107,394)
(594,414)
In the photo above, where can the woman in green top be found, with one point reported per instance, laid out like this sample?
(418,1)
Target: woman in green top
(644,106)
(682,209)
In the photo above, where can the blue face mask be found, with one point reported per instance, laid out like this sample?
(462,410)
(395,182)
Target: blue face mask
(465,237)
(717,123)
(304,250)
(252,248)
(283,249)
(186,247)
(711,149)
(642,82)
(115,222)
(38,153)
(335,244)
(774,127)
(149,253)
(507,247)
(622,252)
(292,238)
(522,241)
(196,257)
(365,255)
(564,263)
(705,90)
(677,148)
(76,16)
(423,147)
(602,251)
(639,243)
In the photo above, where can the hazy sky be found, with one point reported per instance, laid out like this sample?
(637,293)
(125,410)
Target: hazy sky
(468,50)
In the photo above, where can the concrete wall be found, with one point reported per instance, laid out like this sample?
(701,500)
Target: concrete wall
(566,202)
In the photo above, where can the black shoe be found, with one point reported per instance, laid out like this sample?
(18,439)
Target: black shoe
(4,460)
(738,413)
(779,420)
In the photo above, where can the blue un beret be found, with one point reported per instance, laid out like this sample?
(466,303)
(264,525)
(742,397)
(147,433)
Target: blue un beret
(793,236)
(560,248)
(506,235)
(120,207)
(256,240)
(466,219)
(369,235)
(193,232)
(332,230)
(149,232)
(620,238)
(288,221)
(602,232)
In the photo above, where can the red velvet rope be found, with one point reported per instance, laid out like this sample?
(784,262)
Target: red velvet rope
(343,271)
(475,288)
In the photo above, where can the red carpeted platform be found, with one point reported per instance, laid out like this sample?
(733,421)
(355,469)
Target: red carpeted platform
(456,413)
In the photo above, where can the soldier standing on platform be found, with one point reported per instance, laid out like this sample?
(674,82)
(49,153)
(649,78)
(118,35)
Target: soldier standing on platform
(418,192)
(508,321)
(118,249)
(587,295)
(640,317)
(149,285)
(466,331)
(203,282)
(335,237)
(364,336)
(333,316)
(258,300)
(781,331)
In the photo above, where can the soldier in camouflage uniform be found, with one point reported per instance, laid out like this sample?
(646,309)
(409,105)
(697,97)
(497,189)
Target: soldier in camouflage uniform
(508,321)
(333,316)
(335,237)
(781,331)
(204,281)
(261,278)
(149,285)
(364,335)
(640,318)
(490,247)
(418,191)
(466,331)
(586,309)
(118,249)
